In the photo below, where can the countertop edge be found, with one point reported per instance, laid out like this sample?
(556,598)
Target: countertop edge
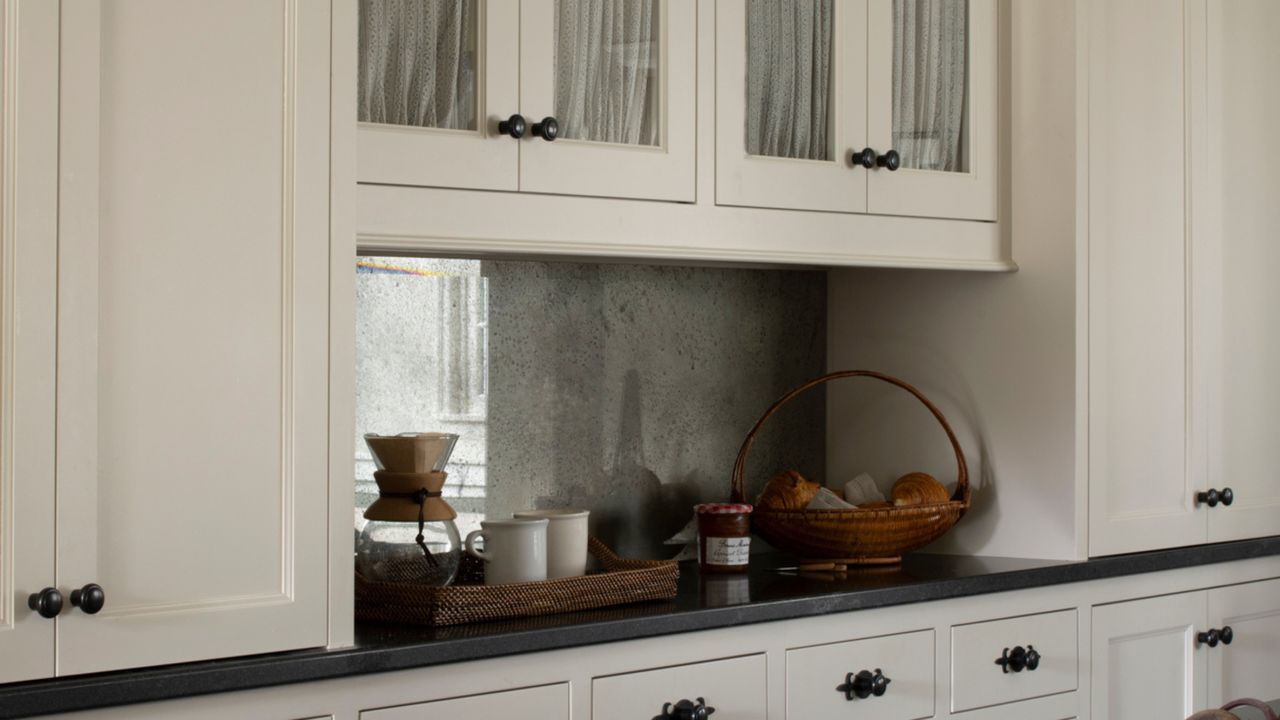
(76,693)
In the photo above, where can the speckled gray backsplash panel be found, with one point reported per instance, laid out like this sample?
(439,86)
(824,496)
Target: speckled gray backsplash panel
(625,389)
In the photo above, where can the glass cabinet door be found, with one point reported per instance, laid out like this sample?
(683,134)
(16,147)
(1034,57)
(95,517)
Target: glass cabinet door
(790,113)
(608,86)
(435,80)
(931,108)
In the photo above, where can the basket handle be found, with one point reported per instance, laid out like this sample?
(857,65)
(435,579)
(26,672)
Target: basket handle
(740,466)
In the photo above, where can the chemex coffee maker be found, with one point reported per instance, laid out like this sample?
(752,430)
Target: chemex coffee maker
(410,536)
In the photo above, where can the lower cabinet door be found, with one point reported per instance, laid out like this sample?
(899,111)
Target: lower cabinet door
(1146,663)
(1002,661)
(1248,666)
(549,702)
(842,680)
(735,688)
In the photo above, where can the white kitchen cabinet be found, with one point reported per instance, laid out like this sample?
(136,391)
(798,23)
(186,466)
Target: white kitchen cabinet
(1039,652)
(192,328)
(1146,660)
(1172,655)
(735,688)
(605,92)
(1236,321)
(1246,667)
(28,247)
(549,702)
(823,681)
(1182,398)
(880,106)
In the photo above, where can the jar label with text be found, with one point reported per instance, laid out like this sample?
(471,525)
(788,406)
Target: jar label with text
(728,551)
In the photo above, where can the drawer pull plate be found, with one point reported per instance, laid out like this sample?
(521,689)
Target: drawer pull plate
(864,684)
(686,710)
(1019,659)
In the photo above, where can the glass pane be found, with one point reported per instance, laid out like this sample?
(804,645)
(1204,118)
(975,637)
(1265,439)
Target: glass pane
(930,84)
(418,63)
(789,79)
(607,86)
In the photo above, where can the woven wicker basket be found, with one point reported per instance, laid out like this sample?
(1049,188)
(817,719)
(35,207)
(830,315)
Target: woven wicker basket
(858,536)
(623,581)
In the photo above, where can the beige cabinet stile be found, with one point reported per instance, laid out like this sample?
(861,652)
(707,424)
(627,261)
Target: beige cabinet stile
(28,251)
(192,305)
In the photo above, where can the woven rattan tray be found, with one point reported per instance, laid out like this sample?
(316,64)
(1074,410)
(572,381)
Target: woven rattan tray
(622,581)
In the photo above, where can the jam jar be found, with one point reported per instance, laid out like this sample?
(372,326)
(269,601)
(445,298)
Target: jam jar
(724,537)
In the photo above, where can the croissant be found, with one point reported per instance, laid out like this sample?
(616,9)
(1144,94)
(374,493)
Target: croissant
(918,489)
(788,490)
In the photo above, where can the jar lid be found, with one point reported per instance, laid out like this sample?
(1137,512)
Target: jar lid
(722,509)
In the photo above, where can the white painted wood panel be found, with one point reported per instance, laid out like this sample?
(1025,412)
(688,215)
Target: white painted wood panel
(773,182)
(1145,663)
(192,328)
(1142,474)
(815,673)
(1248,666)
(28,247)
(550,702)
(1237,255)
(735,688)
(976,680)
(969,195)
(576,167)
(480,158)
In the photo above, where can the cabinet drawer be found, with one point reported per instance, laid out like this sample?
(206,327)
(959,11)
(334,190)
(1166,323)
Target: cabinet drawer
(548,702)
(978,681)
(813,674)
(734,687)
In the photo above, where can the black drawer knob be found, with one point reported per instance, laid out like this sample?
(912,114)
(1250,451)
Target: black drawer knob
(1019,659)
(89,598)
(864,684)
(47,603)
(513,126)
(1213,496)
(548,129)
(686,710)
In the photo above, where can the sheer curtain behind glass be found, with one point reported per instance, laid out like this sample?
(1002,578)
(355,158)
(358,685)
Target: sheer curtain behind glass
(607,80)
(789,78)
(930,86)
(418,63)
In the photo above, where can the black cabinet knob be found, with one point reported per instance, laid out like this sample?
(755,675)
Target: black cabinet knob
(548,129)
(864,684)
(686,710)
(513,126)
(1213,496)
(866,157)
(89,598)
(47,603)
(1019,659)
(890,161)
(1209,638)
(1213,636)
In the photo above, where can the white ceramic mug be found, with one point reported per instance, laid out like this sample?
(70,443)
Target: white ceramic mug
(514,550)
(566,540)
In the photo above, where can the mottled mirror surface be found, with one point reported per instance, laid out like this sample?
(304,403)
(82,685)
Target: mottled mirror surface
(624,389)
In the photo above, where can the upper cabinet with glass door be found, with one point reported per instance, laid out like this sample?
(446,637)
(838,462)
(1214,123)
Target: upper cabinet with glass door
(581,97)
(880,106)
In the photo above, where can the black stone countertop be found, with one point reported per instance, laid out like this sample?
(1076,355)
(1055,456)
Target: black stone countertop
(702,604)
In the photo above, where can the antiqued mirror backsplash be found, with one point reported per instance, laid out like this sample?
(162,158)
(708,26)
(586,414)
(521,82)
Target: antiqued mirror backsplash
(623,389)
